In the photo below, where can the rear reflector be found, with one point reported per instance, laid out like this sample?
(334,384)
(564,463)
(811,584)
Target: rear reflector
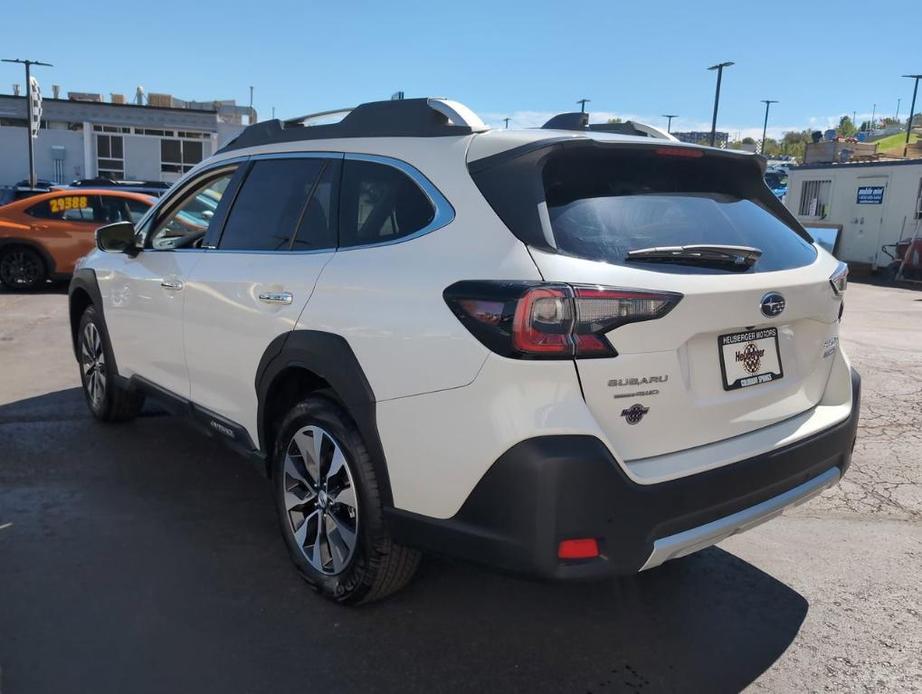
(586,548)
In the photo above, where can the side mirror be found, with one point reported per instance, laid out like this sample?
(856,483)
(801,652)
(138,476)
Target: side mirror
(117,238)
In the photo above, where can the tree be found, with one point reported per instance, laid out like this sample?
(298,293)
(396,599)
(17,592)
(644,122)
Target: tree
(846,127)
(772,148)
(888,121)
(748,141)
(615,121)
(794,143)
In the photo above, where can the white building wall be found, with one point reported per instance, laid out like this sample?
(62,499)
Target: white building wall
(861,242)
(14,154)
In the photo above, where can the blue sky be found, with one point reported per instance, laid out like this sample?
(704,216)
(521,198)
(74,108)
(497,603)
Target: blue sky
(523,60)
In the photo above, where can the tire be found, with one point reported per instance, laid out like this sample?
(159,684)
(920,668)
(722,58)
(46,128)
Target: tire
(21,268)
(326,493)
(108,401)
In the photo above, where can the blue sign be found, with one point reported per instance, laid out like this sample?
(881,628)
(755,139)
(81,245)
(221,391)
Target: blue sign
(870,195)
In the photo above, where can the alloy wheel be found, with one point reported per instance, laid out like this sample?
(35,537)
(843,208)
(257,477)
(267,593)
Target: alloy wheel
(93,363)
(20,268)
(320,500)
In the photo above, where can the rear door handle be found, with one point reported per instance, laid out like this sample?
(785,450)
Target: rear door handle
(172,285)
(276,297)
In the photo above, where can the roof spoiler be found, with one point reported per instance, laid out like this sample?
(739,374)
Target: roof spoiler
(580,121)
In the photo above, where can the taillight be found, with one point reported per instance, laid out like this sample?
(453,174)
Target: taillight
(532,320)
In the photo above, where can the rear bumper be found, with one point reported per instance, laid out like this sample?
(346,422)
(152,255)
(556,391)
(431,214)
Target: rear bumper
(552,488)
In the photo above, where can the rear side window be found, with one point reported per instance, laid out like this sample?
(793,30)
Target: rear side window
(71,208)
(602,202)
(269,206)
(380,203)
(116,209)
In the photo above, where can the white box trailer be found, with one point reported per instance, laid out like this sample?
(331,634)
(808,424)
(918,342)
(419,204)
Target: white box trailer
(874,203)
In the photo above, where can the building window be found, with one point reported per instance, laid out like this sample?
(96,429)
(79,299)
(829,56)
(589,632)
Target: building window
(178,156)
(110,156)
(814,198)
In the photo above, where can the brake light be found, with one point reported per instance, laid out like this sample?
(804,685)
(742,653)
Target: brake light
(531,320)
(687,152)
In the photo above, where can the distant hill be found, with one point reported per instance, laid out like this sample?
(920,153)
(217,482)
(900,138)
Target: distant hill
(894,143)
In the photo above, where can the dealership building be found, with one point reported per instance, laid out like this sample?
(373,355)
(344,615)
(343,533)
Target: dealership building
(83,136)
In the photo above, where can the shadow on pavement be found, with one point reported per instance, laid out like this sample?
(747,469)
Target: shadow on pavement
(50,287)
(144,557)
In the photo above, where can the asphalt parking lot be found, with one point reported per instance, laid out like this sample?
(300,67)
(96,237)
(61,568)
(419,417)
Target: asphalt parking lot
(145,558)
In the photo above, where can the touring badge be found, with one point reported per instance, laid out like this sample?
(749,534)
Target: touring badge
(634,413)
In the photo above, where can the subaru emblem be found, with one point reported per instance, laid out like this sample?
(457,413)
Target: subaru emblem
(772,304)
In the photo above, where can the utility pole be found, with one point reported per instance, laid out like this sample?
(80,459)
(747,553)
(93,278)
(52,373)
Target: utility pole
(720,71)
(669,117)
(29,64)
(912,110)
(582,104)
(873,115)
(768,103)
(506,121)
(898,109)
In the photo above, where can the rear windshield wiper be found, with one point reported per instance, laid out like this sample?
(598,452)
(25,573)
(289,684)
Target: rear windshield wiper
(730,257)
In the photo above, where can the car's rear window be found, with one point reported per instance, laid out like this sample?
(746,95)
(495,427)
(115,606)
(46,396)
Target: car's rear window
(603,202)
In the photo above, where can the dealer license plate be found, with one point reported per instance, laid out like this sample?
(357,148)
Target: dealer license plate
(749,358)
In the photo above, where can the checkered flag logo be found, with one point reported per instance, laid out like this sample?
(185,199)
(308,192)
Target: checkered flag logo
(35,103)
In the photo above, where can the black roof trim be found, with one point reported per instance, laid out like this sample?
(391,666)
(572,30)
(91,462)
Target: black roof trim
(399,118)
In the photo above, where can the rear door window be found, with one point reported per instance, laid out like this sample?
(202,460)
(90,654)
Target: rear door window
(271,205)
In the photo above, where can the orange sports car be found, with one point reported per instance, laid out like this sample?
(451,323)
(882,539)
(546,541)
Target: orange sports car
(43,236)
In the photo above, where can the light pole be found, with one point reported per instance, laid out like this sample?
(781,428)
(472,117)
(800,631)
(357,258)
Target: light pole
(720,71)
(29,64)
(582,104)
(669,117)
(912,110)
(768,103)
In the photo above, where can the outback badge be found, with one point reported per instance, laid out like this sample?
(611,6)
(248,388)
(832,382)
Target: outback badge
(634,413)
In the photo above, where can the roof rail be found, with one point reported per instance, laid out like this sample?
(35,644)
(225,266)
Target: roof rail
(426,117)
(580,121)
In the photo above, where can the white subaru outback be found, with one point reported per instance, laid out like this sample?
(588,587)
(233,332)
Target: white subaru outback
(568,352)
